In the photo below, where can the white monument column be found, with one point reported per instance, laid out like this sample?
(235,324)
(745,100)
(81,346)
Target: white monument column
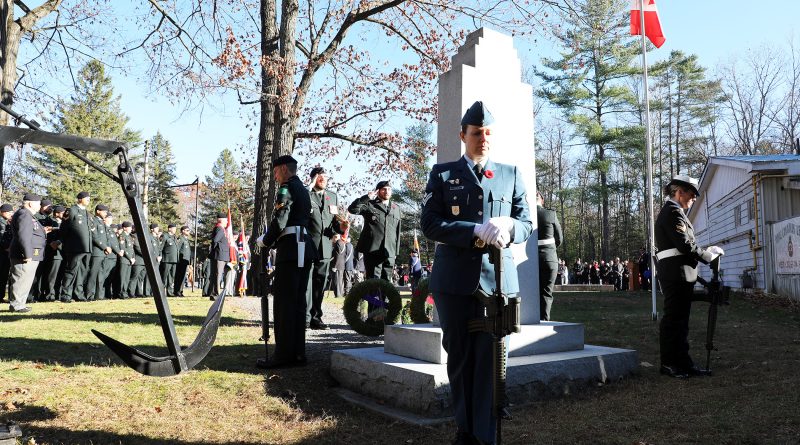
(487,68)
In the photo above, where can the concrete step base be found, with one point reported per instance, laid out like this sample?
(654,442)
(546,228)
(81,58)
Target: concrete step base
(422,388)
(424,341)
(583,288)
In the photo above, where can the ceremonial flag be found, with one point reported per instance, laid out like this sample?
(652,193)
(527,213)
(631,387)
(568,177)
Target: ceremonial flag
(652,26)
(416,243)
(244,257)
(229,237)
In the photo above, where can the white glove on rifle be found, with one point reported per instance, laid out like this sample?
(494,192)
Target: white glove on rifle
(500,228)
(711,253)
(260,240)
(502,240)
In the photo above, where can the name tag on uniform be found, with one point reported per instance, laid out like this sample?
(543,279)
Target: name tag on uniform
(455,210)
(460,187)
(334,209)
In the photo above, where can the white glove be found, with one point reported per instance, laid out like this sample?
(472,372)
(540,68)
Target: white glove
(496,226)
(711,253)
(476,231)
(260,240)
(504,222)
(716,250)
(503,239)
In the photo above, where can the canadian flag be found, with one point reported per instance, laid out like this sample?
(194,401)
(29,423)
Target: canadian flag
(652,26)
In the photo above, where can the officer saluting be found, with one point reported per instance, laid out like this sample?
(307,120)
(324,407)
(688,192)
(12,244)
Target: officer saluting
(288,233)
(678,255)
(380,238)
(468,204)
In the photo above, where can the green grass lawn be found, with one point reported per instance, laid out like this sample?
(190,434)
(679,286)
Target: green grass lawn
(64,386)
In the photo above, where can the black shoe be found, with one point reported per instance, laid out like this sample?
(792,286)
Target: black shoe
(317,324)
(674,372)
(212,298)
(694,371)
(21,310)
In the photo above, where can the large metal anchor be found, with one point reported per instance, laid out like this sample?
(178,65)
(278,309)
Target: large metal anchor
(179,359)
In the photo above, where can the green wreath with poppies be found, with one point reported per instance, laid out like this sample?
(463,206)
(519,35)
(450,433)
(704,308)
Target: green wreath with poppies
(371,305)
(421,303)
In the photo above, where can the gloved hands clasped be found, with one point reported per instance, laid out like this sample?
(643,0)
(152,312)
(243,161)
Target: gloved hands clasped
(496,231)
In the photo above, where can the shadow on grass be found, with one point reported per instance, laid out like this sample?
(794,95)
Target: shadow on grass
(122,317)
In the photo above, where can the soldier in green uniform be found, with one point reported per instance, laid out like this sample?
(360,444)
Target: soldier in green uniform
(50,289)
(184,260)
(288,232)
(154,237)
(138,271)
(380,238)
(127,286)
(6,212)
(43,216)
(549,239)
(169,259)
(107,275)
(322,226)
(76,238)
(100,249)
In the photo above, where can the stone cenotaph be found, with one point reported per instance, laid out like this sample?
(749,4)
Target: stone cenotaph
(407,377)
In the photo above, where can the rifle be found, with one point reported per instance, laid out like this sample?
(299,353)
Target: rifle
(715,294)
(502,318)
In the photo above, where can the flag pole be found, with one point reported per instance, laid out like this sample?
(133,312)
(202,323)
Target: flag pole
(649,167)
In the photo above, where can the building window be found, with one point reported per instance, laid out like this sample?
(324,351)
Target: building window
(751,209)
(737,216)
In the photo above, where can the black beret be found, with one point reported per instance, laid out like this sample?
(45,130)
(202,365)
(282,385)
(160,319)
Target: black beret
(82,195)
(184,228)
(477,115)
(59,209)
(153,226)
(46,202)
(221,215)
(31,197)
(127,224)
(317,171)
(109,214)
(101,207)
(169,226)
(383,184)
(285,159)
(6,208)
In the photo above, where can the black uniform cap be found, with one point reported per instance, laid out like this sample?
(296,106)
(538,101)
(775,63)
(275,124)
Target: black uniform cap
(6,208)
(31,197)
(383,184)
(169,226)
(153,226)
(222,215)
(126,224)
(109,214)
(184,228)
(686,181)
(82,195)
(285,159)
(101,207)
(46,202)
(59,209)
(477,115)
(317,171)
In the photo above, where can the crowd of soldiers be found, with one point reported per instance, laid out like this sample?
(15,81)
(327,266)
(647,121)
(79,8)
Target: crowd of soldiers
(615,272)
(55,253)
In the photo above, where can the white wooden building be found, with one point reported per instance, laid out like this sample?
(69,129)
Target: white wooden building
(743,200)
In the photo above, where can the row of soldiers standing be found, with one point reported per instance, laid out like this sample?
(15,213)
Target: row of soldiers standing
(84,256)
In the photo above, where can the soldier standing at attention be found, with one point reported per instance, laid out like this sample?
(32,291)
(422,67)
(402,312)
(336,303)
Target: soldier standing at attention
(220,255)
(380,238)
(169,259)
(549,239)
(138,271)
(127,286)
(76,238)
(100,249)
(51,277)
(288,233)
(6,212)
(468,200)
(44,219)
(678,255)
(107,273)
(184,259)
(322,226)
(26,251)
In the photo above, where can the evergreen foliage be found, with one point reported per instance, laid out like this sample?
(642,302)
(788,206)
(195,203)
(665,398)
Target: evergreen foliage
(162,202)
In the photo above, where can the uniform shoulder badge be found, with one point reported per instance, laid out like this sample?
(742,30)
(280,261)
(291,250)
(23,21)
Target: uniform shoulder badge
(427,197)
(681,227)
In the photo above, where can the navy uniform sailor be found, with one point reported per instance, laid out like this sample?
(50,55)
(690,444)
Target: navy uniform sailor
(471,198)
(678,255)
(288,233)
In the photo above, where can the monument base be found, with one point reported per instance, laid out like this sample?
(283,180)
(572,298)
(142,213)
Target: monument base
(583,288)
(422,388)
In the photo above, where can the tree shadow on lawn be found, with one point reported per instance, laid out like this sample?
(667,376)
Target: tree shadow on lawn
(122,317)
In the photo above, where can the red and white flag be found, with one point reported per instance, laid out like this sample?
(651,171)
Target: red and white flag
(229,236)
(652,26)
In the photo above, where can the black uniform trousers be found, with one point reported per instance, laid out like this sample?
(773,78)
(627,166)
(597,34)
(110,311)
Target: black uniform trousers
(5,270)
(50,283)
(674,328)
(77,264)
(138,278)
(107,277)
(547,278)
(216,276)
(378,266)
(168,276)
(93,283)
(180,277)
(469,364)
(124,278)
(289,289)
(316,292)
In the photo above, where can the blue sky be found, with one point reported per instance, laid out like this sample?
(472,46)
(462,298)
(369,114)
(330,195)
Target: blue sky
(715,30)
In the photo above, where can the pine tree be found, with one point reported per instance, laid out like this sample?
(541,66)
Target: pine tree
(162,201)
(587,83)
(93,111)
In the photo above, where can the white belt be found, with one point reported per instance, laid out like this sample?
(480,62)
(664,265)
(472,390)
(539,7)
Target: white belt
(544,242)
(292,230)
(298,232)
(668,253)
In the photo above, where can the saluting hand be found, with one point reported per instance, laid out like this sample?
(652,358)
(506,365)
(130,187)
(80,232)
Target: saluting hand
(372,194)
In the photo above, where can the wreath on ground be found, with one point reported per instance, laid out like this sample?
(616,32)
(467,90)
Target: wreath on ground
(371,305)
(421,303)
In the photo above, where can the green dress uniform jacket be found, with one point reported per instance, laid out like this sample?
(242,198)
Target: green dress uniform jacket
(184,259)
(76,238)
(322,226)
(380,238)
(169,260)
(94,280)
(127,286)
(50,288)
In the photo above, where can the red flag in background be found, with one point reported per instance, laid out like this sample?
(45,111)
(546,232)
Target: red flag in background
(244,257)
(652,26)
(229,236)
